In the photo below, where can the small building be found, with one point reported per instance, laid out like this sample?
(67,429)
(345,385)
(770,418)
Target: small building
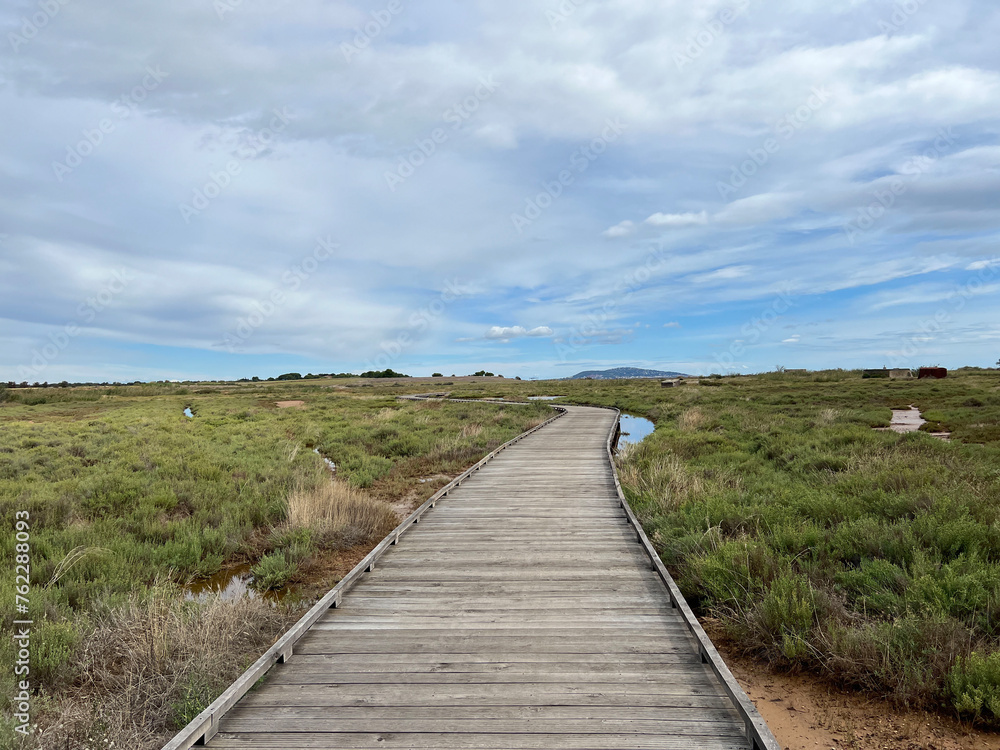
(900,374)
(672,383)
(932,372)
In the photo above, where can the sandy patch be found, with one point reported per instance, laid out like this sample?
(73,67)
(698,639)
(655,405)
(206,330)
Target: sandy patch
(910,420)
(291,404)
(805,713)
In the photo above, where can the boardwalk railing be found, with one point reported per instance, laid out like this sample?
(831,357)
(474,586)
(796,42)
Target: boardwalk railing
(756,728)
(206,724)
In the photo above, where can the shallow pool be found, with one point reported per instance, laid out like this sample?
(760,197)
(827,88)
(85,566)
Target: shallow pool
(232,584)
(634,429)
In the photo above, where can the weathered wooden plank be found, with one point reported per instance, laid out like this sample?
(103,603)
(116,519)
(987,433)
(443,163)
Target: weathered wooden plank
(337,643)
(413,558)
(625,632)
(615,713)
(506,662)
(375,741)
(668,677)
(567,606)
(516,694)
(691,725)
(486,573)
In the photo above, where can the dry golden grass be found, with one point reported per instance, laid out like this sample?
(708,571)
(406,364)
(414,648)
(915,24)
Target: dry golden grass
(335,505)
(664,478)
(472,430)
(691,420)
(149,663)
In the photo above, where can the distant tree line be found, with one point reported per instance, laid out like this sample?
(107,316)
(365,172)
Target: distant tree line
(388,373)
(64,384)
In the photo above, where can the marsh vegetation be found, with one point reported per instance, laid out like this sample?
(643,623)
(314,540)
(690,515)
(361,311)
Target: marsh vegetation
(868,558)
(130,498)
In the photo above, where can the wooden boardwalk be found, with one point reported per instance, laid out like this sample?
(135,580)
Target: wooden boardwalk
(522,611)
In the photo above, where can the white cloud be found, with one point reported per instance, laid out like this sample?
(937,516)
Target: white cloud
(980,265)
(506,333)
(760,209)
(678,221)
(624,229)
(354,120)
(672,324)
(722,274)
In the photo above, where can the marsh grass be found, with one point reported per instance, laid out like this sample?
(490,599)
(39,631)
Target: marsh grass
(333,505)
(127,495)
(150,663)
(691,419)
(663,478)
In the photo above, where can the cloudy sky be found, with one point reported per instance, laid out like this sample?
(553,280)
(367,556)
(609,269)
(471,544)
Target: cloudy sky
(226,188)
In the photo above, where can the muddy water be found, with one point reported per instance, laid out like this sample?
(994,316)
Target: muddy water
(234,583)
(231,584)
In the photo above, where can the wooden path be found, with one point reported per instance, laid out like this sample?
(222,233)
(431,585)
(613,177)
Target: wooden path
(522,612)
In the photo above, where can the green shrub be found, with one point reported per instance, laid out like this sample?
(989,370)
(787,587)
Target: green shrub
(52,648)
(195,695)
(786,614)
(871,557)
(272,572)
(974,685)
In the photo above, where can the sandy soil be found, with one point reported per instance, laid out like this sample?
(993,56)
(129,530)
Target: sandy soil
(910,420)
(805,713)
(291,404)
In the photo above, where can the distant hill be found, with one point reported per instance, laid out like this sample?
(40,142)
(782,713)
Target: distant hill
(625,373)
